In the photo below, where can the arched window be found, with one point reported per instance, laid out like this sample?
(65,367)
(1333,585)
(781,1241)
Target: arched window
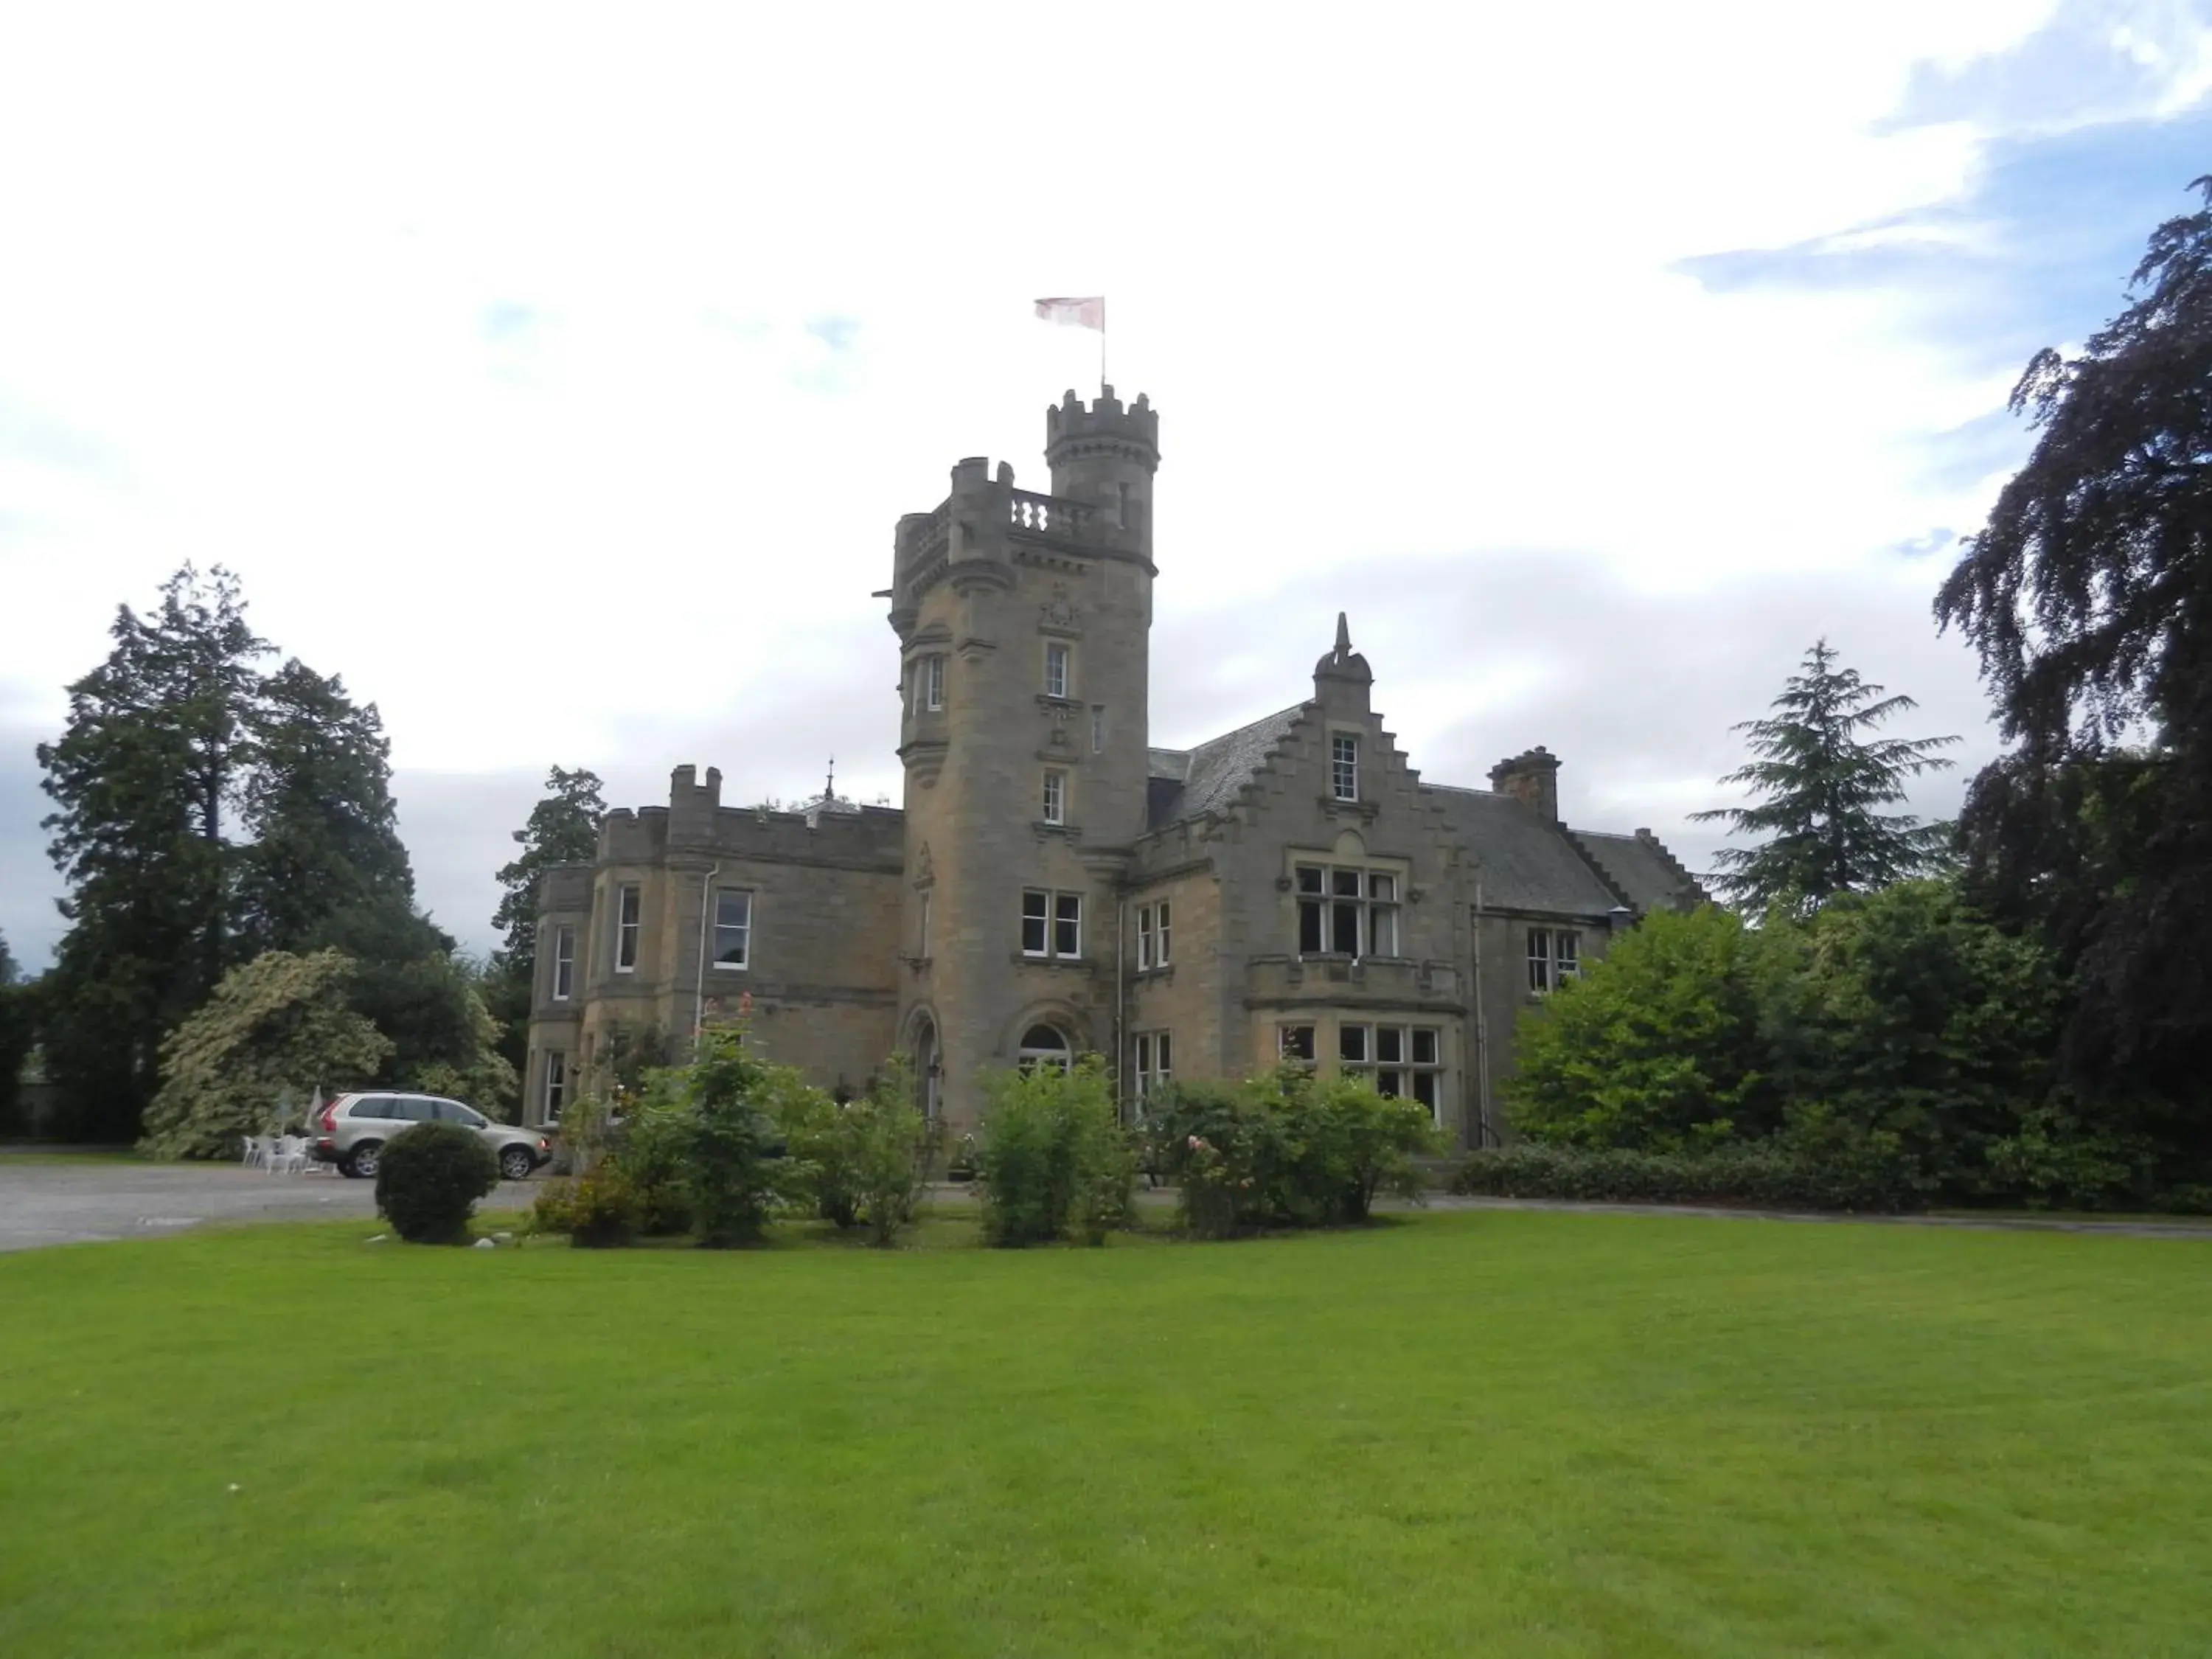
(926,1068)
(1041,1045)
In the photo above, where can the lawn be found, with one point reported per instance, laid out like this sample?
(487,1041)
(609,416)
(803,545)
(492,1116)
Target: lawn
(1496,1433)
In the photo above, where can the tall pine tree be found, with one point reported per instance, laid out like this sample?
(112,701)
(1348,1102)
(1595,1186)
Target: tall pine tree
(563,828)
(1822,785)
(143,780)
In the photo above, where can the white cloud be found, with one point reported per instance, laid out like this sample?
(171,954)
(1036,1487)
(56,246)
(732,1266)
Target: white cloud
(484,343)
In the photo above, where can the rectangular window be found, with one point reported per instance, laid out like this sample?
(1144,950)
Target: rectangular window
(557,1086)
(1310,883)
(1055,668)
(1144,937)
(1343,916)
(564,964)
(630,905)
(1295,1043)
(1160,957)
(1067,925)
(1153,935)
(1122,509)
(1554,957)
(1152,1063)
(1055,798)
(733,927)
(1344,766)
(1036,913)
(1351,1045)
(933,683)
(1383,915)
(1097,728)
(921,944)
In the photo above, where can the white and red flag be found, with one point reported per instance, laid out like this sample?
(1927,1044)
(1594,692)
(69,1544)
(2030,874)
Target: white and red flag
(1090,313)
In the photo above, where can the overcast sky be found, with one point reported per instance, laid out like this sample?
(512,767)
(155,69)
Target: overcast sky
(558,383)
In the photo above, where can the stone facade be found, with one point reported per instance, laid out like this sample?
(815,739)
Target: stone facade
(1055,886)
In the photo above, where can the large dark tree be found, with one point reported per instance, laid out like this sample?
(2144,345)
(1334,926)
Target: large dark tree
(318,803)
(16,1036)
(1822,783)
(2088,595)
(143,780)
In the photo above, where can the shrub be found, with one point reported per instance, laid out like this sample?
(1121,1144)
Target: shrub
(730,1147)
(1768,1175)
(428,1181)
(859,1159)
(1284,1149)
(599,1210)
(651,1148)
(1054,1161)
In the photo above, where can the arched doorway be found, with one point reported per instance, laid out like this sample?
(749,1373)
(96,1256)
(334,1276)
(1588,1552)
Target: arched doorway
(928,1067)
(1043,1045)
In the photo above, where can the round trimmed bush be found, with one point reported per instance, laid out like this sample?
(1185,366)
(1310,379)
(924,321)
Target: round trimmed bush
(429,1179)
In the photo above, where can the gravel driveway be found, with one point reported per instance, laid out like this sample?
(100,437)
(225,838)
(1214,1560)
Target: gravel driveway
(74,1203)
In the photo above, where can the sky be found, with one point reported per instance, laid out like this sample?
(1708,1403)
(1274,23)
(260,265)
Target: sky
(556,377)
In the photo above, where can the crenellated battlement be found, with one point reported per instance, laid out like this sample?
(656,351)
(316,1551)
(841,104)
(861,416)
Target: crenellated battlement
(1105,426)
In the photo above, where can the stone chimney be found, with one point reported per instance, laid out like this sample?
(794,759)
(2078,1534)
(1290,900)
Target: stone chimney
(1532,780)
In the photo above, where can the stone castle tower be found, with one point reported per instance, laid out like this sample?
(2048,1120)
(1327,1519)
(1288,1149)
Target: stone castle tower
(1023,622)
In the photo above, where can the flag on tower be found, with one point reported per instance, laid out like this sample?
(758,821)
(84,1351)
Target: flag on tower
(1090,313)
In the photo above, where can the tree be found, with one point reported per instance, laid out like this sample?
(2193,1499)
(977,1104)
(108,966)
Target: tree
(1654,1047)
(16,1036)
(280,1024)
(1823,787)
(2089,597)
(318,803)
(141,778)
(563,828)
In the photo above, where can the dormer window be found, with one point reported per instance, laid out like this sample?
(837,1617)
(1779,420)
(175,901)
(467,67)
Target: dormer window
(1344,766)
(1055,668)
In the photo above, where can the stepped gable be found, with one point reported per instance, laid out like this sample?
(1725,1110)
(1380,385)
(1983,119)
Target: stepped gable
(1191,783)
(1647,875)
(1524,863)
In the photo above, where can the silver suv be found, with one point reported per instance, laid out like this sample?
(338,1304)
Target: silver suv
(352,1129)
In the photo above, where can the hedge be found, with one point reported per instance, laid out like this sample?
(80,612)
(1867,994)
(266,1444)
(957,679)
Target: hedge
(1765,1177)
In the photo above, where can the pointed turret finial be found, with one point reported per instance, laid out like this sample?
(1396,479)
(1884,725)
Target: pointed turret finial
(830,789)
(1343,635)
(1342,662)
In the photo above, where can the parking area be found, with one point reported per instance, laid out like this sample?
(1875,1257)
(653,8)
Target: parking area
(44,1202)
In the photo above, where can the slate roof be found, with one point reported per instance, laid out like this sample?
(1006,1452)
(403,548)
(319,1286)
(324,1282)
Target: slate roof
(1525,864)
(1188,783)
(1641,868)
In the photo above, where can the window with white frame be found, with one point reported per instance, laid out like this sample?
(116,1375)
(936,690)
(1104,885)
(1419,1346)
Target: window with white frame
(1055,668)
(1554,957)
(1345,910)
(1153,928)
(1097,728)
(1055,796)
(1295,1043)
(564,964)
(1154,1057)
(1404,1060)
(630,907)
(1042,1045)
(1344,766)
(1052,923)
(733,927)
(557,1086)
(933,683)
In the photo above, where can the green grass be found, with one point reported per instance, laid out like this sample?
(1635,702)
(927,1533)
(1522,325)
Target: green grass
(30,1155)
(1497,1433)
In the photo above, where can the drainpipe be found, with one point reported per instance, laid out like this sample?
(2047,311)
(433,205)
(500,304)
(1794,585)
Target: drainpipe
(699,985)
(1120,1002)
(1481,1029)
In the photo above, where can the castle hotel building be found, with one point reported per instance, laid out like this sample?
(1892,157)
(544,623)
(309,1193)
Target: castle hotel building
(1054,884)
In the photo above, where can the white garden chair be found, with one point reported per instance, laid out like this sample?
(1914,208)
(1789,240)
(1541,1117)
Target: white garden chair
(251,1153)
(288,1156)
